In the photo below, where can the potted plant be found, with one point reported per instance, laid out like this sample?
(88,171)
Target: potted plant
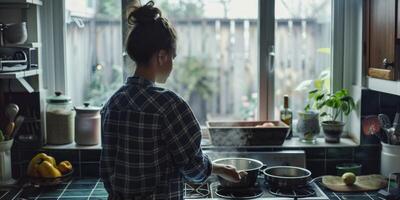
(331,107)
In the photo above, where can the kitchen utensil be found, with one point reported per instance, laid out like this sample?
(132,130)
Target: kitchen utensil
(286,177)
(250,166)
(12,111)
(371,125)
(87,125)
(348,167)
(384,120)
(396,121)
(363,183)
(247,133)
(15,33)
(18,123)
(9,130)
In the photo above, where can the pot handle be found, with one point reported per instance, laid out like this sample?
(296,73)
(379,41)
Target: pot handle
(263,168)
(314,179)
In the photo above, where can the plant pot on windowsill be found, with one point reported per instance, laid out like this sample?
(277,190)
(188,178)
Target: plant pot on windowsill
(331,107)
(333,130)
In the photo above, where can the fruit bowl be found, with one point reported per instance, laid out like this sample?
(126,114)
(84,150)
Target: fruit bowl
(41,181)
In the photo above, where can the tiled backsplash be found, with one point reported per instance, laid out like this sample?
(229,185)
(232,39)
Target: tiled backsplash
(320,161)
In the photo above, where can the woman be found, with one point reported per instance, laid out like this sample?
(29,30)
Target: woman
(151,139)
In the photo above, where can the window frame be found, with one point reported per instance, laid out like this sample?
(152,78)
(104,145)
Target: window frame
(56,77)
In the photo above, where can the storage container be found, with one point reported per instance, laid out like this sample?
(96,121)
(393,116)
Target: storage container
(390,159)
(87,125)
(60,118)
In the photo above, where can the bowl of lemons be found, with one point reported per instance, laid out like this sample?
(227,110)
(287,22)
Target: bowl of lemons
(43,170)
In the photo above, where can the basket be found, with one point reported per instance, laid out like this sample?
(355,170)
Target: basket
(245,133)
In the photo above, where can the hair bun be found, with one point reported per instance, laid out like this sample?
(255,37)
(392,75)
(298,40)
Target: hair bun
(144,14)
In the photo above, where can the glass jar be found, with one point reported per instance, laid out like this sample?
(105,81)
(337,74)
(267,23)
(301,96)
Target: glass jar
(60,117)
(308,126)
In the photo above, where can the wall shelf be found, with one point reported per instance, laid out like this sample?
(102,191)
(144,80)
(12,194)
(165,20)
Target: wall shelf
(34,2)
(20,77)
(28,45)
(385,86)
(20,74)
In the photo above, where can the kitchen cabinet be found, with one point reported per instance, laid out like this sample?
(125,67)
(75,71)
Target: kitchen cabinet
(381,59)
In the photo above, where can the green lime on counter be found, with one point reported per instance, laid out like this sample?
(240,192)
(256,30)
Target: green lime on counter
(349,178)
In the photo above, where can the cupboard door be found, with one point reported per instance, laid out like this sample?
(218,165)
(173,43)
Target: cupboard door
(398,19)
(382,24)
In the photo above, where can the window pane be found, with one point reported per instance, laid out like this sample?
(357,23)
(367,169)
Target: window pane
(93,49)
(216,65)
(302,50)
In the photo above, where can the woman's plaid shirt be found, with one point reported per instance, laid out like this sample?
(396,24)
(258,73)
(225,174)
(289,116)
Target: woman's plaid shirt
(151,143)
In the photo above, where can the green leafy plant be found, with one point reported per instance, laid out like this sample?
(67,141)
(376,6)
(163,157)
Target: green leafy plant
(331,105)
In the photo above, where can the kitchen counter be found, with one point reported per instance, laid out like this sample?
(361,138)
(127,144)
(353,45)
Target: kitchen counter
(93,188)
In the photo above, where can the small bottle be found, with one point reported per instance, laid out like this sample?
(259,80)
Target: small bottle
(287,116)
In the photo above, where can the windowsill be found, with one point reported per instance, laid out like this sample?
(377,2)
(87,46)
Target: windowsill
(296,144)
(292,143)
(72,146)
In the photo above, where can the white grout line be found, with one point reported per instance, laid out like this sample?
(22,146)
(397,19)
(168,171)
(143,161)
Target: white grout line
(19,192)
(38,196)
(336,196)
(4,194)
(369,196)
(93,189)
(64,189)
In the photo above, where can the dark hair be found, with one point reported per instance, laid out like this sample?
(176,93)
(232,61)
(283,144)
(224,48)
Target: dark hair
(150,33)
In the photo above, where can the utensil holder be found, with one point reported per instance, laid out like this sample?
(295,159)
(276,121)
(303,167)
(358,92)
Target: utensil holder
(5,163)
(390,159)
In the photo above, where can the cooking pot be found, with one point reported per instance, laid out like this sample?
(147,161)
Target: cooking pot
(15,33)
(288,177)
(251,166)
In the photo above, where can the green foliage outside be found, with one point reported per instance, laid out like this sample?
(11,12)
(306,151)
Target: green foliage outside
(109,9)
(99,89)
(191,75)
(182,9)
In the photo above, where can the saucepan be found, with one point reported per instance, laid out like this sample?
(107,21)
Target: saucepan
(251,166)
(15,33)
(287,177)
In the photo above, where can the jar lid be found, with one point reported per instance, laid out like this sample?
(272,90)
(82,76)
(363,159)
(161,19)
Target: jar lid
(87,108)
(58,98)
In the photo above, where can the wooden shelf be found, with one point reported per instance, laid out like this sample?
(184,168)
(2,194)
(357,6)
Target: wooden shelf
(20,74)
(29,45)
(34,2)
(386,86)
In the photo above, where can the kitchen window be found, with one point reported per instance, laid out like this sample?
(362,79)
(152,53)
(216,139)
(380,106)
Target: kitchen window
(236,59)
(93,50)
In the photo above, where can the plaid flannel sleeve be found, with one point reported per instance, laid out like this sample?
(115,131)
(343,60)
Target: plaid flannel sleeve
(183,138)
(109,143)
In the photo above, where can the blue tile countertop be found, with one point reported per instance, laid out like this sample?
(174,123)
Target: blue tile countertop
(93,189)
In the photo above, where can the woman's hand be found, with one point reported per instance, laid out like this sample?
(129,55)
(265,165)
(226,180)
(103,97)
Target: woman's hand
(228,172)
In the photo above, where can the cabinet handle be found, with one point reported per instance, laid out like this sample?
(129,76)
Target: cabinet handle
(386,63)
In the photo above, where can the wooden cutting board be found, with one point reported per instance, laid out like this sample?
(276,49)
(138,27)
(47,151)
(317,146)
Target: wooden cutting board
(363,183)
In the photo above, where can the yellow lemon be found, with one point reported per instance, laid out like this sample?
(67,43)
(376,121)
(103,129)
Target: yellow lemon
(349,178)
